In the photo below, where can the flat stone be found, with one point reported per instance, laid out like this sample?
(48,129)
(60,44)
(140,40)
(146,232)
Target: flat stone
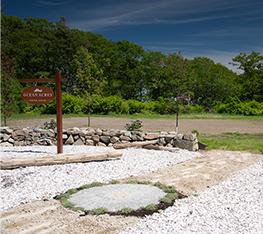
(117,196)
(79,142)
(89,142)
(151,136)
(6,144)
(70,140)
(105,139)
(95,138)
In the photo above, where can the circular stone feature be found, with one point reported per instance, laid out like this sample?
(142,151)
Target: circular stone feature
(114,197)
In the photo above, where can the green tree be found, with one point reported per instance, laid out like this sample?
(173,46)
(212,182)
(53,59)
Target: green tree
(89,78)
(210,82)
(10,88)
(252,77)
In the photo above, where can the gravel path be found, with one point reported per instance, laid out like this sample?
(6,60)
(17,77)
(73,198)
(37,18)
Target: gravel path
(35,183)
(233,206)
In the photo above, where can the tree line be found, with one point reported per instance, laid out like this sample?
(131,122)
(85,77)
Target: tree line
(96,66)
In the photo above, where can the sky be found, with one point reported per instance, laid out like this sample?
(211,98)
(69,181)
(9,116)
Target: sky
(219,29)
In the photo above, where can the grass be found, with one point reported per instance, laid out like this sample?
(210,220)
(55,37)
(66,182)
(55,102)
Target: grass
(234,141)
(168,200)
(24,116)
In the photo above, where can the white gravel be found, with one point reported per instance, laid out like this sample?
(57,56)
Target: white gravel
(233,206)
(35,183)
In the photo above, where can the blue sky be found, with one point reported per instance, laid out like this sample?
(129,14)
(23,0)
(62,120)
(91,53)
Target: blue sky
(219,29)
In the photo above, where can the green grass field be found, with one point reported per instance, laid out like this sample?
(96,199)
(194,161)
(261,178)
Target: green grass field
(141,116)
(234,141)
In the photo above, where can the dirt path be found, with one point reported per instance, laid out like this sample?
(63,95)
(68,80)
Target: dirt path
(209,126)
(203,172)
(189,177)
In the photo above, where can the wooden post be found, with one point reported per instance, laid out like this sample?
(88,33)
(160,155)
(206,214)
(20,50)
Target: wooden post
(59,113)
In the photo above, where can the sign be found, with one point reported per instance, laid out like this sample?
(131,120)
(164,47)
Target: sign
(37,95)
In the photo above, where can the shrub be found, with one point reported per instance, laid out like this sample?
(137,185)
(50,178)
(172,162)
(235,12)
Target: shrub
(70,105)
(135,125)
(235,106)
(135,106)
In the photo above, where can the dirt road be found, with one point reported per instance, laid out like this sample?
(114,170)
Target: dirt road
(209,126)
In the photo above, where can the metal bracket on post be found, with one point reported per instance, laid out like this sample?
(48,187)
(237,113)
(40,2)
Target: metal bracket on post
(59,113)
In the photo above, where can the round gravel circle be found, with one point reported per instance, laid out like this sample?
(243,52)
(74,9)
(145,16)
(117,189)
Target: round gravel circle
(114,197)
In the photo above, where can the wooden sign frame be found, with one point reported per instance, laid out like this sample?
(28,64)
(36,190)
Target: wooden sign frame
(58,82)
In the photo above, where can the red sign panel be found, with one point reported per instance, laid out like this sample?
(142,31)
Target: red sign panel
(37,95)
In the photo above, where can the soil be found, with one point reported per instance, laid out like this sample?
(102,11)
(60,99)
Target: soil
(208,126)
(190,177)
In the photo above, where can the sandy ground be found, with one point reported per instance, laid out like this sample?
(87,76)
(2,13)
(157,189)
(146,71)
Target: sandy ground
(189,177)
(209,126)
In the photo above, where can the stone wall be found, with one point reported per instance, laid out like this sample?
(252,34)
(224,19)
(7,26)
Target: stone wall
(93,136)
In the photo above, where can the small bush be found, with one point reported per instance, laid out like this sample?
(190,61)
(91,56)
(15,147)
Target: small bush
(135,125)
(135,106)
(99,211)
(70,105)
(50,125)
(235,106)
(125,211)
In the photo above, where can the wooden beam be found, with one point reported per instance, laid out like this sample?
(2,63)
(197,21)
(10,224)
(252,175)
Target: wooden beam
(134,144)
(12,163)
(158,147)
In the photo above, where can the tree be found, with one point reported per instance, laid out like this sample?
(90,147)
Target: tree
(10,88)
(210,82)
(89,79)
(252,78)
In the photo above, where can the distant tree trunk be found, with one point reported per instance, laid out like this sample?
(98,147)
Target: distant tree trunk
(177,122)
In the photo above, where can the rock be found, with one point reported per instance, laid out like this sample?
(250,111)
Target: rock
(179,136)
(189,137)
(6,144)
(6,130)
(185,144)
(95,138)
(125,138)
(19,143)
(6,137)
(73,131)
(98,131)
(101,144)
(114,139)
(79,142)
(127,133)
(134,137)
(70,140)
(18,133)
(105,139)
(168,138)
(151,136)
(64,136)
(89,142)
(76,137)
(161,141)
(105,133)
(11,140)
(90,132)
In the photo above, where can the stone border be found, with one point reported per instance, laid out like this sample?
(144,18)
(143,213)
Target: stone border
(165,202)
(94,137)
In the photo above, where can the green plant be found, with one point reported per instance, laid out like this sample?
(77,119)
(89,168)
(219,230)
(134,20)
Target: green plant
(126,211)
(151,207)
(99,211)
(135,125)
(52,124)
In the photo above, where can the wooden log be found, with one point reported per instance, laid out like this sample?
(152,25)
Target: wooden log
(158,147)
(11,163)
(134,144)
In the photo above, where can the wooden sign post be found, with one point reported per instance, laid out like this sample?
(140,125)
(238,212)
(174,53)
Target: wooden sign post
(59,113)
(43,95)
